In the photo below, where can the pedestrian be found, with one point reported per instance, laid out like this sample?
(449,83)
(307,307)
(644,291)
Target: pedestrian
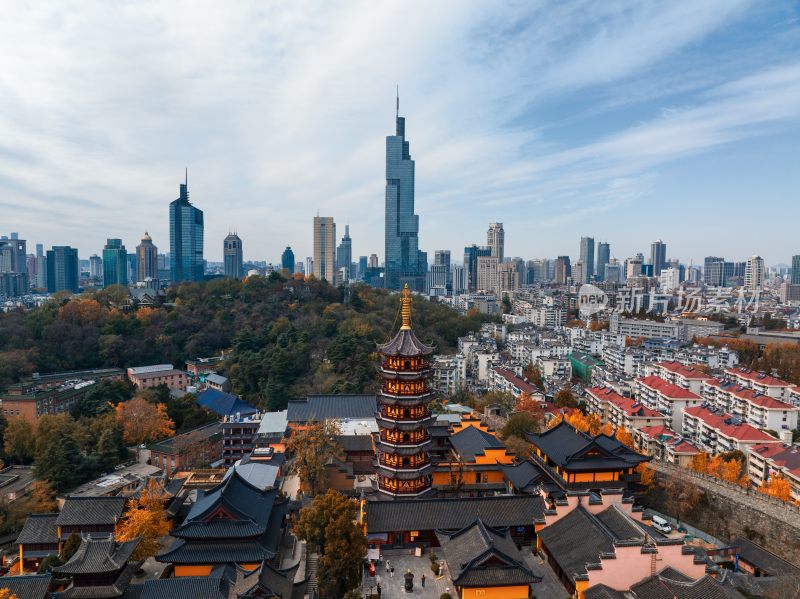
(391,571)
(378,588)
(388,565)
(423,581)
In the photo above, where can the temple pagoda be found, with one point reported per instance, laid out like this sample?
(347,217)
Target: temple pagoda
(402,462)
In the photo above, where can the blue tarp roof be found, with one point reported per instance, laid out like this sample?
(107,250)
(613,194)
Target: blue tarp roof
(224,404)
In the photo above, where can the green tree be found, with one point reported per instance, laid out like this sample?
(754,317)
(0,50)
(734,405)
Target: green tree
(19,441)
(329,524)
(311,449)
(519,424)
(69,548)
(57,456)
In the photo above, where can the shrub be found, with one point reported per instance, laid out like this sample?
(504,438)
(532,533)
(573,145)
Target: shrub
(445,596)
(435,568)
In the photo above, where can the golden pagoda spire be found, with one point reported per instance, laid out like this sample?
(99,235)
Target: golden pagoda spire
(405,308)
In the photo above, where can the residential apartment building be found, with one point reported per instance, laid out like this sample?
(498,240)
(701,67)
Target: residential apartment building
(759,381)
(753,407)
(715,431)
(145,377)
(686,377)
(620,411)
(502,379)
(449,373)
(488,273)
(664,444)
(668,398)
(769,459)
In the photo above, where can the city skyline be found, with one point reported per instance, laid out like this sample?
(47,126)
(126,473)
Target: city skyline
(704,117)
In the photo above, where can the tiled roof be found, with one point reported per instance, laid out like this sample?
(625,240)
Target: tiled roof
(471,441)
(88,511)
(39,529)
(185,587)
(627,404)
(759,399)
(215,552)
(763,559)
(27,587)
(98,556)
(687,372)
(684,447)
(724,423)
(321,407)
(453,514)
(405,343)
(667,389)
(524,474)
(273,423)
(785,457)
(467,550)
(601,591)
(658,431)
(224,404)
(757,377)
(567,446)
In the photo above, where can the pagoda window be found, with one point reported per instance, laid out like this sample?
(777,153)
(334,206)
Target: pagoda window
(406,413)
(407,365)
(405,437)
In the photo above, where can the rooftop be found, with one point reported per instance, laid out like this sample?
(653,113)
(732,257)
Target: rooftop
(140,370)
(687,372)
(627,404)
(316,408)
(471,441)
(726,424)
(224,404)
(759,378)
(667,389)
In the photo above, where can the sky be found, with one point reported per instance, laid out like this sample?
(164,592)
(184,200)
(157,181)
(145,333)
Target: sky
(625,121)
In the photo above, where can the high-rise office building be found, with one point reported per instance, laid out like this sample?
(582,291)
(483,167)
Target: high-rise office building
(95,267)
(496,240)
(62,269)
(458,276)
(403,260)
(579,272)
(115,263)
(13,255)
(325,249)
(658,256)
(41,268)
(633,267)
(563,270)
(796,270)
(612,272)
(287,260)
(487,274)
(714,271)
(309,266)
(146,259)
(587,257)
(471,255)
(233,256)
(344,255)
(603,254)
(441,261)
(363,263)
(507,277)
(754,274)
(373,261)
(185,239)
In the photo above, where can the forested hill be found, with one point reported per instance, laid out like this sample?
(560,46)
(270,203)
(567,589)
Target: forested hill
(287,338)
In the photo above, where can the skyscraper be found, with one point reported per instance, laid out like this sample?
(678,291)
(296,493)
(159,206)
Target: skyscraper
(95,267)
(587,257)
(146,259)
(487,274)
(496,239)
(471,255)
(41,268)
(309,266)
(714,271)
(344,255)
(796,270)
(325,249)
(563,270)
(115,263)
(232,254)
(62,269)
(13,266)
(185,238)
(603,254)
(287,260)
(658,256)
(754,273)
(404,264)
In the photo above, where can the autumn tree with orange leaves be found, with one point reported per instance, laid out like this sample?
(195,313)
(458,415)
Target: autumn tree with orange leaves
(730,469)
(587,423)
(778,487)
(145,518)
(6,594)
(143,422)
(624,436)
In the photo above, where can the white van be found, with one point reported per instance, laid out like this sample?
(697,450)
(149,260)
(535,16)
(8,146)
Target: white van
(661,525)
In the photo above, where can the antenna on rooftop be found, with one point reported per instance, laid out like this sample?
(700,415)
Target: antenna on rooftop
(397,114)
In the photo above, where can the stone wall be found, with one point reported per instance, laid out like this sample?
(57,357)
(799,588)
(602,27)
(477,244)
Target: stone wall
(726,511)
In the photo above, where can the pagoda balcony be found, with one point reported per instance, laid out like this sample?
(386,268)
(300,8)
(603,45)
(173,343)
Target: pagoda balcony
(404,450)
(396,462)
(390,374)
(403,473)
(404,487)
(404,426)
(386,399)
(409,364)
(405,388)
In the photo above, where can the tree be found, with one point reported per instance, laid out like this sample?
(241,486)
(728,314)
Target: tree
(329,524)
(684,492)
(518,446)
(143,422)
(624,436)
(519,424)
(310,450)
(565,399)
(534,375)
(778,487)
(505,400)
(19,441)
(647,474)
(145,518)
(70,547)
(57,457)
(527,403)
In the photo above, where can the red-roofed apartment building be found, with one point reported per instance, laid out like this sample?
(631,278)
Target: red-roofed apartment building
(676,373)
(758,381)
(619,410)
(767,459)
(502,379)
(668,398)
(664,444)
(753,407)
(718,432)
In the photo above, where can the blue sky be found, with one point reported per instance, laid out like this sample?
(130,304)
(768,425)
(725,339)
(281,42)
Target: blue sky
(628,121)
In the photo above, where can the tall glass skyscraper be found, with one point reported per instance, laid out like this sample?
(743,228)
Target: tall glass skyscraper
(185,239)
(587,257)
(404,262)
(62,269)
(287,260)
(603,255)
(115,263)
(344,256)
(234,258)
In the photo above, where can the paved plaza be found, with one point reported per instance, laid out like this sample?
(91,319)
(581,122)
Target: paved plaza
(392,587)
